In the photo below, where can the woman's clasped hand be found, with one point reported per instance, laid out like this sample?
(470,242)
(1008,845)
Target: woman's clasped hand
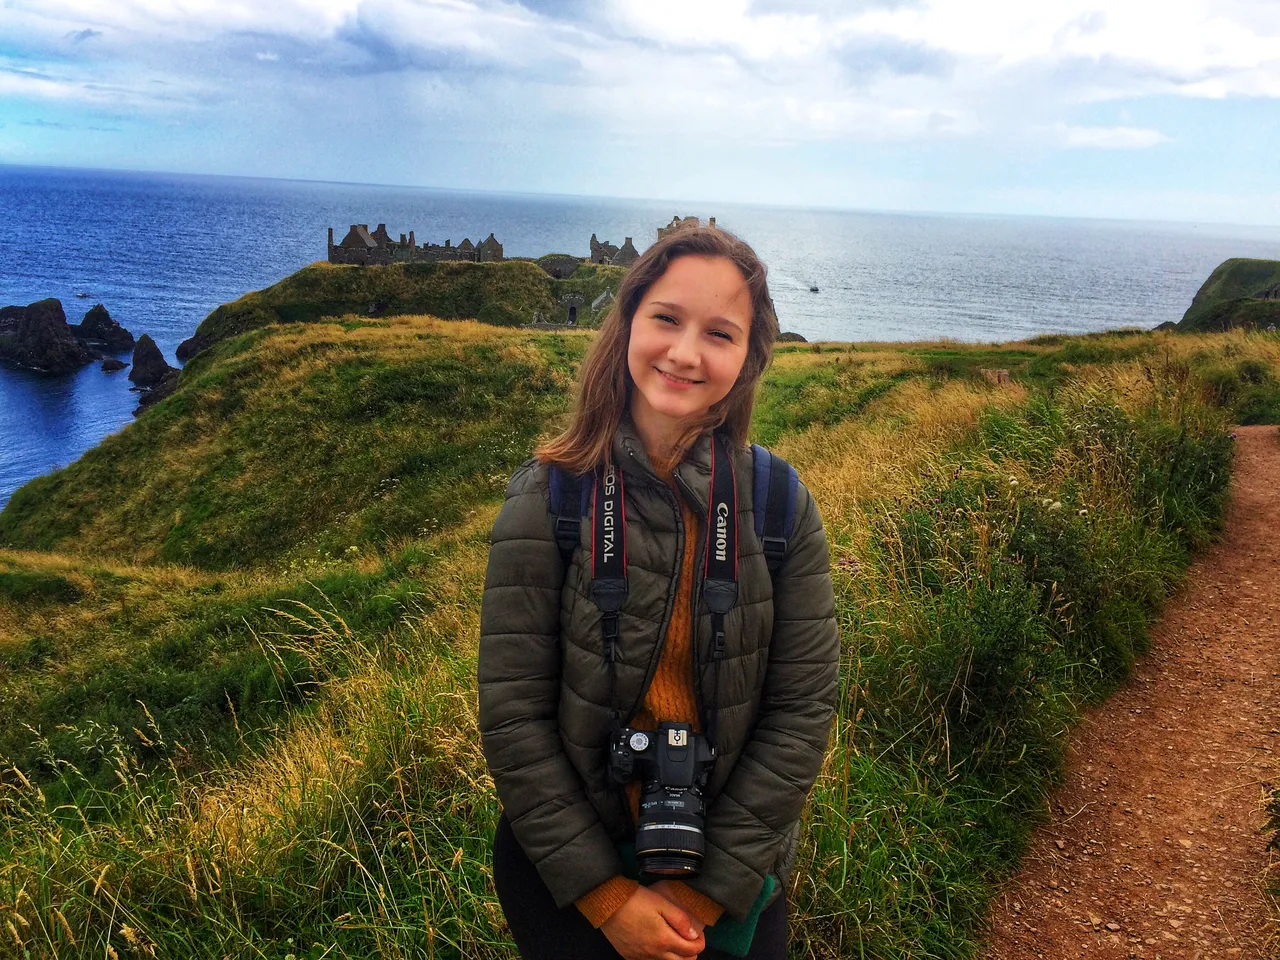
(650,927)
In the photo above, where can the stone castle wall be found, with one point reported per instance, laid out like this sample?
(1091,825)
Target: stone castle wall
(364,247)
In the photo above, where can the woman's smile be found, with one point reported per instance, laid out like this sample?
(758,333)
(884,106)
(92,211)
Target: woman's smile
(680,383)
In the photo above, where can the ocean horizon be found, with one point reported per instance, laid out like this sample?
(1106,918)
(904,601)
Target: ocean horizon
(162,250)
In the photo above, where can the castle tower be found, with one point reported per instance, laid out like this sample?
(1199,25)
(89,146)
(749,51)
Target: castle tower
(626,255)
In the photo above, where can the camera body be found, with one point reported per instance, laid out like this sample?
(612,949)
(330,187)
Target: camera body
(672,764)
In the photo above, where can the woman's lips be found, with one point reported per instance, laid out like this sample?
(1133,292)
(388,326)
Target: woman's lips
(677,382)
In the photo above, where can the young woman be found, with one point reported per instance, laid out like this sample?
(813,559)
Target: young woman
(665,393)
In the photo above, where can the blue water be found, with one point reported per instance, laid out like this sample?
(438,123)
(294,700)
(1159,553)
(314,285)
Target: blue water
(161,251)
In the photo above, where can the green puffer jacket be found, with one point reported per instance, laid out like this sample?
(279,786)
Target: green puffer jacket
(545,707)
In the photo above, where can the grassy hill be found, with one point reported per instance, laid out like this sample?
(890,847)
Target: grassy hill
(302,440)
(238,639)
(507,293)
(1233,297)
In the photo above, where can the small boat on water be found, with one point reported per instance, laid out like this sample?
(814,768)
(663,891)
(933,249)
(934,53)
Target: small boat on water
(82,295)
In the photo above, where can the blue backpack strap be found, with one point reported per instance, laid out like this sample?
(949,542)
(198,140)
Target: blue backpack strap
(570,498)
(775,490)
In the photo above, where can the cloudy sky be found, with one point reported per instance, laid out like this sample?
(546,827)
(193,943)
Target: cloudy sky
(1163,109)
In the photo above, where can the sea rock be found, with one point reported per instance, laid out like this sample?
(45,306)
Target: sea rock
(790,337)
(149,367)
(1167,325)
(38,337)
(111,365)
(100,329)
(189,347)
(167,384)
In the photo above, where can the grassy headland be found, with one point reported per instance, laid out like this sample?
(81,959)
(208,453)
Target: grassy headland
(506,293)
(237,698)
(1239,293)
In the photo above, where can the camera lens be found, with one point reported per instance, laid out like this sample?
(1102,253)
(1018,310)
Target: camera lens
(669,849)
(669,837)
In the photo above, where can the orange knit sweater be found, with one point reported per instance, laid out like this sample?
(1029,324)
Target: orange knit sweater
(670,697)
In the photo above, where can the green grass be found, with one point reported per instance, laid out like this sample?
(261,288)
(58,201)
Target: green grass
(301,443)
(257,737)
(506,293)
(25,587)
(1227,299)
(823,391)
(956,362)
(984,617)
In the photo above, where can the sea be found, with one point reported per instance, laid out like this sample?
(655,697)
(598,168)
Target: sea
(161,251)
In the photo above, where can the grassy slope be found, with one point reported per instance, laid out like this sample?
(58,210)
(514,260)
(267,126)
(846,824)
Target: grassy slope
(1226,299)
(351,809)
(303,441)
(506,293)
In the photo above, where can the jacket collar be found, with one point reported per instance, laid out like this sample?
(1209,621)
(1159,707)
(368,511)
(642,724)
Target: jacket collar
(693,473)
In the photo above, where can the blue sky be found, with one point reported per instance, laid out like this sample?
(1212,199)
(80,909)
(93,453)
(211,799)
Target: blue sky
(1153,109)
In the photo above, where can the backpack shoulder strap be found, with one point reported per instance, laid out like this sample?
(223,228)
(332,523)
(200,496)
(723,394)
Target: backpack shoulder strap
(775,490)
(569,499)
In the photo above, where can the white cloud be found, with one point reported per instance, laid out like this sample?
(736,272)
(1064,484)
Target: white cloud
(194,19)
(711,72)
(1105,138)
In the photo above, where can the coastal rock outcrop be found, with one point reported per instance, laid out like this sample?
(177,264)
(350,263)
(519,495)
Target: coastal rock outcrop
(189,347)
(149,366)
(789,337)
(39,338)
(99,329)
(165,386)
(111,365)
(153,376)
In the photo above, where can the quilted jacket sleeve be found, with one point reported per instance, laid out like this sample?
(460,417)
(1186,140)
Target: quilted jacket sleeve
(749,821)
(519,681)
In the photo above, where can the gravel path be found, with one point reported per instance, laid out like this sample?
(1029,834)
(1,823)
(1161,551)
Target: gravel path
(1153,849)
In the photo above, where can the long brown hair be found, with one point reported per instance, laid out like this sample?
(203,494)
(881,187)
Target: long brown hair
(605,384)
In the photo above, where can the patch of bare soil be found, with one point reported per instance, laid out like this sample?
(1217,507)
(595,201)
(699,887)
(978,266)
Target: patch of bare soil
(1155,848)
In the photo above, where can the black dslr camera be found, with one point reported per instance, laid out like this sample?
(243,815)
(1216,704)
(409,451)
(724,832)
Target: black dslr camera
(673,763)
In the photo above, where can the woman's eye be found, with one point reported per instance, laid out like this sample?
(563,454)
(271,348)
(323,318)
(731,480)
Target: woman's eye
(722,335)
(666,319)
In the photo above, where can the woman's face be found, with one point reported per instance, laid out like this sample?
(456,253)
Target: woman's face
(688,341)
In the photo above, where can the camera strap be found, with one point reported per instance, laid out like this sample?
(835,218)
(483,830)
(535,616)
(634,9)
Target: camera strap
(720,571)
(609,568)
(609,564)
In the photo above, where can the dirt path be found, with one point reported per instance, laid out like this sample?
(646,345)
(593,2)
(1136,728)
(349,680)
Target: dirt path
(1154,848)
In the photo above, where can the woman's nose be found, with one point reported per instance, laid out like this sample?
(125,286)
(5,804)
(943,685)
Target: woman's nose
(683,350)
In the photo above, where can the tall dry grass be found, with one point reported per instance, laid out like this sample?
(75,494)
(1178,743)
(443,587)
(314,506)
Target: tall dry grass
(997,556)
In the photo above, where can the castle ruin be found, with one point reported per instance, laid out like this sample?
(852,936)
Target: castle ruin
(363,247)
(606,252)
(681,223)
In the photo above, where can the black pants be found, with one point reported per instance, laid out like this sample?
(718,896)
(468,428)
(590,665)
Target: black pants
(544,932)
